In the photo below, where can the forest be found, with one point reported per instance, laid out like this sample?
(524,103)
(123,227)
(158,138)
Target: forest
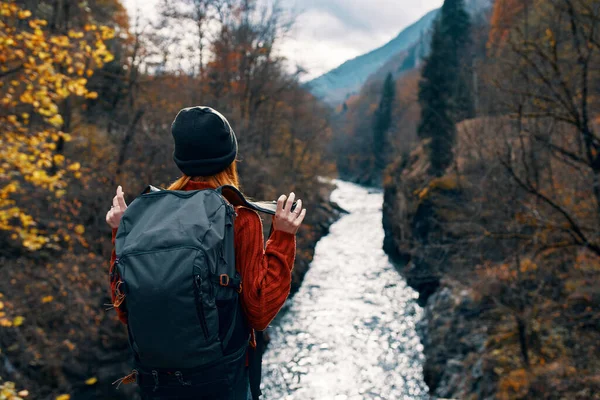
(87,99)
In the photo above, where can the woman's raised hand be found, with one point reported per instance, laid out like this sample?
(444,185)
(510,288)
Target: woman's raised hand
(287,220)
(113,216)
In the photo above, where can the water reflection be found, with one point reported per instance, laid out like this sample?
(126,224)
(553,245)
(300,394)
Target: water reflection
(349,332)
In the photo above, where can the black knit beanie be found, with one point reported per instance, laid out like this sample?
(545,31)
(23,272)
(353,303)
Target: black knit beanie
(205,144)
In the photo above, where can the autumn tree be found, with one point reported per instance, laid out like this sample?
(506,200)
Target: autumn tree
(552,99)
(40,71)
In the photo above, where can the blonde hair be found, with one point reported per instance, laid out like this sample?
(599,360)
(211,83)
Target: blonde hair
(229,176)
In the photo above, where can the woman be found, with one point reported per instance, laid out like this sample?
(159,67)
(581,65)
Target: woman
(205,152)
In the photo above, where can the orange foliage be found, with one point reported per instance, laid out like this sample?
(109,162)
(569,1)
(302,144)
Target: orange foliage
(503,17)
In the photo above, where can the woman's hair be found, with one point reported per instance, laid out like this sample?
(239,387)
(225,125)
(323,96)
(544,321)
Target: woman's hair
(229,176)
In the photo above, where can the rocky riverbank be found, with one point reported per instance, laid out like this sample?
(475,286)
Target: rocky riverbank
(490,330)
(450,330)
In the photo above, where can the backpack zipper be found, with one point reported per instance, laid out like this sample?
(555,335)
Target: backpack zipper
(199,304)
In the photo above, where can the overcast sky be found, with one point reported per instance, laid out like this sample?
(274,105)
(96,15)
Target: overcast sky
(329,32)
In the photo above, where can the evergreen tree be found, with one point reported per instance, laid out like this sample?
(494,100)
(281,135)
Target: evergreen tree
(456,28)
(381,124)
(444,93)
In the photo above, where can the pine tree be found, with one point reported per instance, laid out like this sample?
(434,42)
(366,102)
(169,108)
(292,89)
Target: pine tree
(381,124)
(444,93)
(456,28)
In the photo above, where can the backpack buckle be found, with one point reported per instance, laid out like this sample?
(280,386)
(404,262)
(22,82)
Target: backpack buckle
(224,280)
(119,295)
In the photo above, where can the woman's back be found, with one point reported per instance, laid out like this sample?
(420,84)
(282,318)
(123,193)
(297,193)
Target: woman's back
(265,271)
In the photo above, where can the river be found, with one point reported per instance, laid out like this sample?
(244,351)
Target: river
(349,332)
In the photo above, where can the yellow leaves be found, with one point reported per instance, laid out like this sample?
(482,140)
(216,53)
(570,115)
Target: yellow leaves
(58,159)
(43,56)
(77,87)
(26,220)
(62,92)
(8,391)
(107,33)
(18,321)
(56,121)
(76,35)
(91,381)
(23,14)
(34,242)
(1,305)
(53,68)
(36,23)
(63,397)
(80,229)
(47,299)
(61,41)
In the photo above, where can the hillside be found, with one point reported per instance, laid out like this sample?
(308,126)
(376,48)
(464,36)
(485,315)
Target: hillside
(398,55)
(348,78)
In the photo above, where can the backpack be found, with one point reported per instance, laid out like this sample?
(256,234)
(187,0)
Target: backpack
(175,274)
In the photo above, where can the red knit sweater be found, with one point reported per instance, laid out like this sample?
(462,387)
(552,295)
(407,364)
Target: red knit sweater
(266,272)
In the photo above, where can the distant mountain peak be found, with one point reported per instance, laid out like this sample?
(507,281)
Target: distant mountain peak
(336,85)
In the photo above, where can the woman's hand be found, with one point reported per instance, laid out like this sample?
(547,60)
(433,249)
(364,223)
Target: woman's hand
(113,216)
(287,220)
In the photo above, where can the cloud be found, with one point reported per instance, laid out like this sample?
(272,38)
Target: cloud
(370,16)
(329,32)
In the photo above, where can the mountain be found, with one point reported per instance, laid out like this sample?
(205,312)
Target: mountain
(401,54)
(334,86)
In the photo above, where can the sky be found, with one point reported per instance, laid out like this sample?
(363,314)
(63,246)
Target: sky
(329,32)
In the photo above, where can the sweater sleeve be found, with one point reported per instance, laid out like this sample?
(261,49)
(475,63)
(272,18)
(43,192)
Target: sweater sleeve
(266,272)
(121,311)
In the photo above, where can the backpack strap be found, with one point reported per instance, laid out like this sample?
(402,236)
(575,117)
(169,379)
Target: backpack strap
(151,188)
(235,197)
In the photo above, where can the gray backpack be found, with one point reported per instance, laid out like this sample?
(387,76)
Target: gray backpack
(176,275)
